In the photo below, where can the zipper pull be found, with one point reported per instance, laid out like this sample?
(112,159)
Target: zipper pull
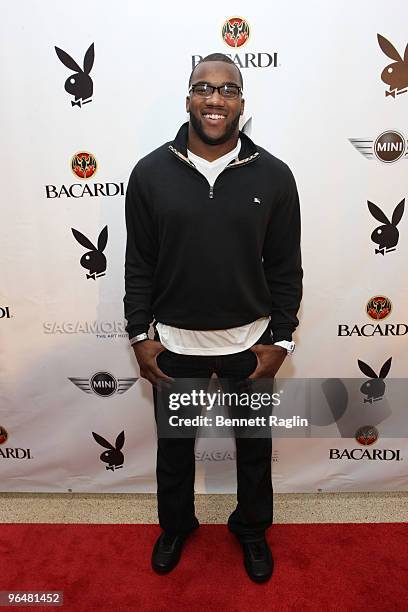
(211,194)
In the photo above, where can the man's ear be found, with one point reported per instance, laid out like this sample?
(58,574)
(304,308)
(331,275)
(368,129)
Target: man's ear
(188,104)
(242,106)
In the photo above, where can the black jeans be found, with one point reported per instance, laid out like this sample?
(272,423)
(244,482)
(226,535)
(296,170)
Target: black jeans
(175,469)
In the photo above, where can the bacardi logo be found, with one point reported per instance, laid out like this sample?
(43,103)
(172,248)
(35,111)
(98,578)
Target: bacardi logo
(103,384)
(113,456)
(367,435)
(359,454)
(94,259)
(374,388)
(84,165)
(5,312)
(388,147)
(235,32)
(378,307)
(386,236)
(7,452)
(3,434)
(395,75)
(79,84)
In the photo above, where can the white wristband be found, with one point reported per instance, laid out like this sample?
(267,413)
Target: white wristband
(289,346)
(139,338)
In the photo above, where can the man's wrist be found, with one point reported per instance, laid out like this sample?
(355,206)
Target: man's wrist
(286,344)
(139,338)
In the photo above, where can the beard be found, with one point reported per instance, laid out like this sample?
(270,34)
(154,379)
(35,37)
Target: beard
(229,131)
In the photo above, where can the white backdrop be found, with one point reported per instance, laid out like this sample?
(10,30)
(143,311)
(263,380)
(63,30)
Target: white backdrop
(56,324)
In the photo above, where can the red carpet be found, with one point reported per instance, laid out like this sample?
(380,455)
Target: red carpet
(348,567)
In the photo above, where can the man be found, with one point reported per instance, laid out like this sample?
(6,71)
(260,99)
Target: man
(213,257)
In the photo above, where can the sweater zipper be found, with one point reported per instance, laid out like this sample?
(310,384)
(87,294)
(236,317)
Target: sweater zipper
(234,164)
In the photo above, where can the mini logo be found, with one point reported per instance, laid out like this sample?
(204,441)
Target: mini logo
(3,435)
(374,388)
(388,147)
(5,312)
(114,456)
(103,384)
(378,307)
(80,84)
(84,165)
(257,200)
(396,74)
(235,32)
(94,260)
(366,435)
(386,235)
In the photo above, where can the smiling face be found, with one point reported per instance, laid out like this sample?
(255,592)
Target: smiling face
(215,120)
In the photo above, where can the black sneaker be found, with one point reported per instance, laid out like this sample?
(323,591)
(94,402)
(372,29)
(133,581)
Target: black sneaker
(258,560)
(166,552)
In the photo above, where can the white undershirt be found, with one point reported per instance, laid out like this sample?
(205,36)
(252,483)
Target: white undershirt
(211,169)
(219,341)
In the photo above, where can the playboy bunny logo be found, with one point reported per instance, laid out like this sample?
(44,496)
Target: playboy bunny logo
(396,74)
(94,260)
(386,235)
(79,84)
(374,388)
(114,456)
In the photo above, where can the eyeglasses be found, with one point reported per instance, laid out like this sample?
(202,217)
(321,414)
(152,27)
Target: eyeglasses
(205,90)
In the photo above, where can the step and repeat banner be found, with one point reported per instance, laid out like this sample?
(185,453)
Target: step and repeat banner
(87,92)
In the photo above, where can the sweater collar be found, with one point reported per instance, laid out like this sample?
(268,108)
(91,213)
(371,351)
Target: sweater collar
(248,147)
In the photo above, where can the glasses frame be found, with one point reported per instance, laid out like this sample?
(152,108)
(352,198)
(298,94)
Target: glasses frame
(215,88)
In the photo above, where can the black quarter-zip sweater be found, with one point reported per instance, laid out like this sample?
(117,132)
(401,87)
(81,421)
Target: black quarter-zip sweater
(212,258)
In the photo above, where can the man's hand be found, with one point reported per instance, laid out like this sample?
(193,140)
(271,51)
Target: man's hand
(146,354)
(270,359)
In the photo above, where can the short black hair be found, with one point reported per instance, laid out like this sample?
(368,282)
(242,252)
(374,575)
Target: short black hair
(216,57)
